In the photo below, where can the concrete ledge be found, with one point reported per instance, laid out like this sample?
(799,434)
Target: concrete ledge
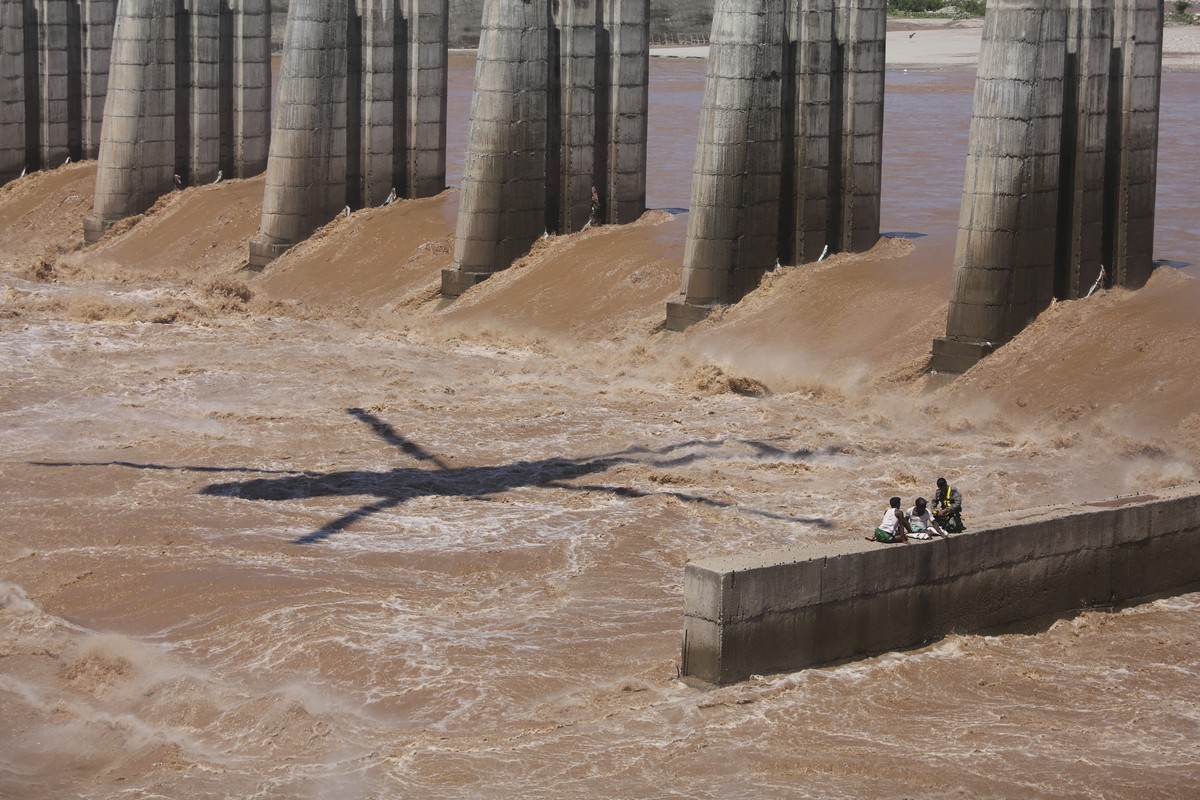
(957,356)
(94,228)
(264,252)
(681,316)
(455,282)
(783,611)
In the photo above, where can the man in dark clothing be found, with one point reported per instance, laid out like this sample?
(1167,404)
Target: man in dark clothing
(947,507)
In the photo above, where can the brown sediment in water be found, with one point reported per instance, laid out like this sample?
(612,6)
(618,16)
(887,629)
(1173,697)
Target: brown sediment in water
(313,531)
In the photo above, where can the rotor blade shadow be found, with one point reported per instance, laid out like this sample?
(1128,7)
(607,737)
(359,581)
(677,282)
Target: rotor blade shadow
(386,432)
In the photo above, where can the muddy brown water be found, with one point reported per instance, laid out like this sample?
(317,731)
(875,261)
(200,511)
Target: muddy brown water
(310,533)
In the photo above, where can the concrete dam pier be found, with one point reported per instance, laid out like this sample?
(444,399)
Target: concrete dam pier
(53,80)
(188,102)
(789,155)
(1061,169)
(778,612)
(557,137)
(361,114)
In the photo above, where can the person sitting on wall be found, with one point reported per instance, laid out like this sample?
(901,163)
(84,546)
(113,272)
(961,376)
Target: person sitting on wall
(894,527)
(922,522)
(947,507)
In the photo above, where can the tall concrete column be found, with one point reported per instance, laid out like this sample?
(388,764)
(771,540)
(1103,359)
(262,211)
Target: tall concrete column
(198,100)
(1004,259)
(306,169)
(250,84)
(859,37)
(502,210)
(427,75)
(571,117)
(821,62)
(623,99)
(383,73)
(1133,140)
(137,146)
(804,228)
(12,89)
(97,18)
(733,227)
(54,63)
(1085,114)
(404,85)
(53,145)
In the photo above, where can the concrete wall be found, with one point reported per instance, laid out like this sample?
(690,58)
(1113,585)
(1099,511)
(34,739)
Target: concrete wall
(784,611)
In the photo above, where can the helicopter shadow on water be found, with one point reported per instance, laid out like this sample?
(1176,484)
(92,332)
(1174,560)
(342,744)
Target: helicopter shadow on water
(393,487)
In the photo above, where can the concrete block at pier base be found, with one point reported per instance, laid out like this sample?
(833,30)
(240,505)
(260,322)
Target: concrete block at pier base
(94,228)
(456,281)
(681,316)
(263,252)
(956,355)
(776,612)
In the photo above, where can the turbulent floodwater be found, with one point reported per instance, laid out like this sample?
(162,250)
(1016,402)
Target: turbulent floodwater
(258,550)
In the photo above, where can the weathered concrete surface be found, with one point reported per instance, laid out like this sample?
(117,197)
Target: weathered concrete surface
(426,81)
(503,206)
(1137,81)
(557,137)
(250,86)
(138,144)
(671,21)
(12,89)
(97,20)
(733,227)
(1062,168)
(361,113)
(192,100)
(1084,130)
(1007,230)
(54,59)
(784,611)
(306,168)
(623,97)
(789,154)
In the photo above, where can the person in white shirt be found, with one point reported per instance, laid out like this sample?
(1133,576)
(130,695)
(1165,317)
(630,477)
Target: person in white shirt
(922,522)
(894,527)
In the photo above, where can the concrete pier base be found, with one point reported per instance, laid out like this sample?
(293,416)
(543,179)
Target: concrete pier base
(957,355)
(681,316)
(783,611)
(457,281)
